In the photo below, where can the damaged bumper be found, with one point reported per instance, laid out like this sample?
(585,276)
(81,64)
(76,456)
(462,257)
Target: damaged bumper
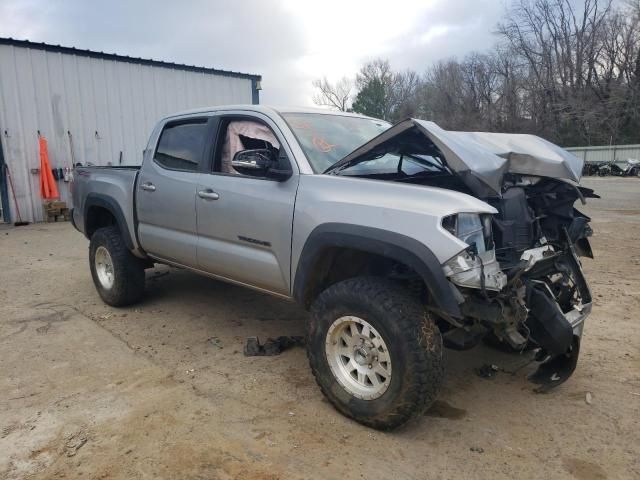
(544,303)
(556,369)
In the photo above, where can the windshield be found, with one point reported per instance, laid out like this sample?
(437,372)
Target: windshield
(326,139)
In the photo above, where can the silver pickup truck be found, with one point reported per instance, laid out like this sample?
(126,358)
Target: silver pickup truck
(399,239)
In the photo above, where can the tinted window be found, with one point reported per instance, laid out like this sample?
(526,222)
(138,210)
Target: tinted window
(180,146)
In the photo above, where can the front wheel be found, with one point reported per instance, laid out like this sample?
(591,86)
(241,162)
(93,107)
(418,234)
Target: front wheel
(117,274)
(374,351)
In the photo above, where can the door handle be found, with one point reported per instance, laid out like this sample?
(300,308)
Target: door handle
(208,194)
(148,186)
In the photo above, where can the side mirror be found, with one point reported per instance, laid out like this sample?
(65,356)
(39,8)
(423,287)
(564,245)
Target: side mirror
(259,162)
(253,161)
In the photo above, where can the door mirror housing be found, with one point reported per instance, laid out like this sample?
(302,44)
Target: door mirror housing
(260,162)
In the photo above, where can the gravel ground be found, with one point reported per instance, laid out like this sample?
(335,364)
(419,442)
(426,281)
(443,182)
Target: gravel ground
(162,389)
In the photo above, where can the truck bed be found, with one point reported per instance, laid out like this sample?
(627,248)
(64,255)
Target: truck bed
(96,185)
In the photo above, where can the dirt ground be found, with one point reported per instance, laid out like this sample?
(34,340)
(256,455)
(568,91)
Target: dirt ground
(162,389)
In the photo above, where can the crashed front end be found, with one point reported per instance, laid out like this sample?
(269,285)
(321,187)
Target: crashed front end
(520,279)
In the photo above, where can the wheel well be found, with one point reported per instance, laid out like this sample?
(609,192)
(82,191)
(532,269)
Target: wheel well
(335,264)
(98,217)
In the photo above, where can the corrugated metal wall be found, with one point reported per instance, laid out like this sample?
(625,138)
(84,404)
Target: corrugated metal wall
(108,106)
(606,153)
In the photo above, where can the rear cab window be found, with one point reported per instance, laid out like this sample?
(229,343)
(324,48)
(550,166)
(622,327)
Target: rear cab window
(181,145)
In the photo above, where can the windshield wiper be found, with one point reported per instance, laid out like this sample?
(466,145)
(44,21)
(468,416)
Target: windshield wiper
(424,162)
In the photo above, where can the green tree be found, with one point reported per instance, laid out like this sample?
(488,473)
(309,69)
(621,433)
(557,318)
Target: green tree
(383,93)
(370,100)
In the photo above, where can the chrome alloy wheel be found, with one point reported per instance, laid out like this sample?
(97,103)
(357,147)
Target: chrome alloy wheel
(104,267)
(358,357)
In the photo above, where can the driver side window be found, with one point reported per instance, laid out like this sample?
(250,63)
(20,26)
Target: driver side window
(239,135)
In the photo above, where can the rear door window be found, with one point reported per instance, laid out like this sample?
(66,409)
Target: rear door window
(181,145)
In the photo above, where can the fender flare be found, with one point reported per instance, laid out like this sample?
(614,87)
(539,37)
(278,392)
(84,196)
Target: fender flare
(109,204)
(381,242)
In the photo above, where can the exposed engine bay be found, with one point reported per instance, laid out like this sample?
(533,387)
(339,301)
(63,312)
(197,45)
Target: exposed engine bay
(529,289)
(519,281)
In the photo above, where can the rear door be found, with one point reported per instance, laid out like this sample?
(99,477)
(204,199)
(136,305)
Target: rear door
(166,190)
(245,222)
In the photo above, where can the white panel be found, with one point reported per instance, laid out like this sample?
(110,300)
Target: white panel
(11,122)
(25,138)
(58,93)
(104,137)
(76,115)
(607,153)
(114,112)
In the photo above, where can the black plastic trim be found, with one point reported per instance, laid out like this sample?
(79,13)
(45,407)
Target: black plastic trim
(73,221)
(108,203)
(381,242)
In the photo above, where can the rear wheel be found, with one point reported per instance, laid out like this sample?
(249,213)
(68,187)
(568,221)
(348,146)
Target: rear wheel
(117,274)
(374,351)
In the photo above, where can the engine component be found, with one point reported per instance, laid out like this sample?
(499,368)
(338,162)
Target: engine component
(514,225)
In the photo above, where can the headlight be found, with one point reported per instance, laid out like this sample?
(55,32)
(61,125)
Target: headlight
(471,228)
(478,268)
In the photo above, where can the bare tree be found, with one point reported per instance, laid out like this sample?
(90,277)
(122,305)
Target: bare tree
(561,45)
(335,95)
(403,94)
(568,70)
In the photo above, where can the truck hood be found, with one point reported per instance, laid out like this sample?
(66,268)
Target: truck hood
(480,158)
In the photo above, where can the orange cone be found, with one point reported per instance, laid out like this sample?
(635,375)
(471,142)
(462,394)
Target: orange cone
(48,187)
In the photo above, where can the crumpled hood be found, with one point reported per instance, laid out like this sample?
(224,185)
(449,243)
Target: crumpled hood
(480,158)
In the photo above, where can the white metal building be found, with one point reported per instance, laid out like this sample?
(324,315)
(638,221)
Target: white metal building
(606,153)
(91,107)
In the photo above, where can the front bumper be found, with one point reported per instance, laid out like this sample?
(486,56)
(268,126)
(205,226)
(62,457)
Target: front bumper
(556,369)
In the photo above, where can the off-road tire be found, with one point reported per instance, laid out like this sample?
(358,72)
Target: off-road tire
(128,270)
(414,343)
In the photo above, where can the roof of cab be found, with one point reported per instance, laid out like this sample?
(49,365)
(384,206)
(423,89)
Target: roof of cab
(266,109)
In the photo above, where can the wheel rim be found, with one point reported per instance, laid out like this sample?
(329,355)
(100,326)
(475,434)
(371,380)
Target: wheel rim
(358,357)
(104,267)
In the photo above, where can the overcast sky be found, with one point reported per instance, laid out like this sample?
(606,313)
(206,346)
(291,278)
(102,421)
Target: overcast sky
(288,42)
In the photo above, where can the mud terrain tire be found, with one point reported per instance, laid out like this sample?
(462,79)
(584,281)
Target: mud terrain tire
(410,335)
(117,274)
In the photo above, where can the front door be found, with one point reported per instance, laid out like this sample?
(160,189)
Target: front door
(245,221)
(166,192)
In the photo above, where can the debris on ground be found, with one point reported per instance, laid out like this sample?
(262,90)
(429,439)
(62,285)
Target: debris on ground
(477,449)
(487,370)
(156,275)
(74,443)
(271,347)
(588,398)
(215,342)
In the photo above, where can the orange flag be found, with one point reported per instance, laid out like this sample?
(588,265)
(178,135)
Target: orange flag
(48,187)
